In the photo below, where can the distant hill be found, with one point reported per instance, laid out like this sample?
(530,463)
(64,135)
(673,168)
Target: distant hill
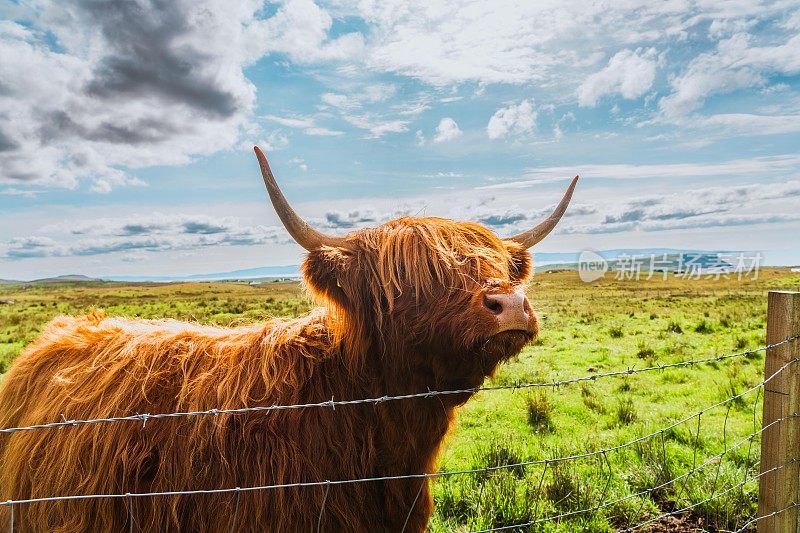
(288,271)
(572,257)
(66,277)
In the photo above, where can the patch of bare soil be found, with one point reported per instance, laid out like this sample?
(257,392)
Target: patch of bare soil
(686,523)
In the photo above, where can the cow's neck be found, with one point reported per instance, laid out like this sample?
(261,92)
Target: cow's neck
(412,429)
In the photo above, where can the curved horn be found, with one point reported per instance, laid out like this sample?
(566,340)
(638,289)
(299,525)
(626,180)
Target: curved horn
(541,230)
(305,235)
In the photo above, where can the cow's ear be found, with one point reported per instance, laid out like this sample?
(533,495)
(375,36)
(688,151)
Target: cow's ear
(521,263)
(325,270)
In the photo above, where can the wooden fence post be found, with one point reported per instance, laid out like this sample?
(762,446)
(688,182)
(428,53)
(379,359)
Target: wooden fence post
(780,443)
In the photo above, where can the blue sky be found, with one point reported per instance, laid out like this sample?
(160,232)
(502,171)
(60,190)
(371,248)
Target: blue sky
(126,128)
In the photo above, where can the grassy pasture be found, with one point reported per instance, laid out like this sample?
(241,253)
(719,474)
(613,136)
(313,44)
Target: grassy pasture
(585,329)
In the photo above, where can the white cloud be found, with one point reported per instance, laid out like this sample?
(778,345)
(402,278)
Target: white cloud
(291,122)
(439,175)
(323,132)
(369,94)
(770,165)
(300,162)
(748,123)
(379,92)
(735,64)
(275,140)
(413,107)
(517,119)
(558,129)
(628,73)
(133,257)
(358,108)
(340,101)
(307,124)
(375,125)
(447,130)
(300,29)
(24,193)
(552,44)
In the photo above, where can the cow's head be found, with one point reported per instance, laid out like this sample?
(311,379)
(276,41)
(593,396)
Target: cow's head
(433,295)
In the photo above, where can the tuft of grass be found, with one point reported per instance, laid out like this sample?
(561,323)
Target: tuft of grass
(674,327)
(732,387)
(590,400)
(615,332)
(500,453)
(625,385)
(656,468)
(625,412)
(568,490)
(645,352)
(741,343)
(703,327)
(539,411)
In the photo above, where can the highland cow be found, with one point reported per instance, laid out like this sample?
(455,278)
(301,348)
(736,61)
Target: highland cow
(412,305)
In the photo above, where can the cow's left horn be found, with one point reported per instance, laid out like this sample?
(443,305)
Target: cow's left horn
(305,235)
(536,234)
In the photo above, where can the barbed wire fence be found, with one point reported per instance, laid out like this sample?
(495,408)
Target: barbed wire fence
(783,370)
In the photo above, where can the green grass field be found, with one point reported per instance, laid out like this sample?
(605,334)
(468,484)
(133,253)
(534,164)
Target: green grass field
(585,329)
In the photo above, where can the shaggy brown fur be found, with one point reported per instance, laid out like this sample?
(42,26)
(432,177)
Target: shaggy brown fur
(403,313)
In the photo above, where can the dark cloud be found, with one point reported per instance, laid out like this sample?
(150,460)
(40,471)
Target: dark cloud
(699,208)
(684,213)
(7,143)
(576,210)
(351,219)
(138,229)
(204,228)
(632,215)
(146,57)
(59,125)
(501,219)
(646,202)
(152,233)
(25,247)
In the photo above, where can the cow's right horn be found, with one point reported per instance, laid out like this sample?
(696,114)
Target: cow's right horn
(541,230)
(305,235)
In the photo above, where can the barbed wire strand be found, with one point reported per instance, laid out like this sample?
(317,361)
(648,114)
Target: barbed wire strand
(487,469)
(332,403)
(769,515)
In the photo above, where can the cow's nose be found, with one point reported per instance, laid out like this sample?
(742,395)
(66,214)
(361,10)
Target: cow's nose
(512,310)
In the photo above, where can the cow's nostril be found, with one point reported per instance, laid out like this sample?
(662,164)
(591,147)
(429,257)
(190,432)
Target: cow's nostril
(493,305)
